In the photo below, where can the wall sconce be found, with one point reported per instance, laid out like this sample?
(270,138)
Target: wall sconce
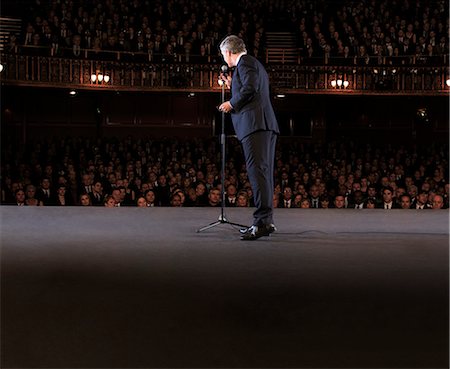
(339,83)
(99,78)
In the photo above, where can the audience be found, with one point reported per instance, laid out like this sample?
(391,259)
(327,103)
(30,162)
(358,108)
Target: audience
(173,172)
(364,32)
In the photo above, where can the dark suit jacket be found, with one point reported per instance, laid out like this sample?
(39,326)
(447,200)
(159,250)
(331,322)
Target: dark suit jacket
(394,205)
(252,108)
(47,200)
(282,205)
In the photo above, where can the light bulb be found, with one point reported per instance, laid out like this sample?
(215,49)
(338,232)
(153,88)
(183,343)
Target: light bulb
(106,78)
(93,77)
(339,82)
(333,83)
(100,77)
(346,83)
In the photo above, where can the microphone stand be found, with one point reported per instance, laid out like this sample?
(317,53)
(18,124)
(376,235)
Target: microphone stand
(222,217)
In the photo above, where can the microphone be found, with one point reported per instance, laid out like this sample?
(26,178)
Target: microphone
(224,69)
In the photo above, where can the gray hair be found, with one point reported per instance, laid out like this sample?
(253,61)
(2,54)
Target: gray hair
(233,44)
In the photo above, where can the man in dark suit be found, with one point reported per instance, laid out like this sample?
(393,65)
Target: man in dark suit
(256,128)
(287,199)
(45,192)
(388,199)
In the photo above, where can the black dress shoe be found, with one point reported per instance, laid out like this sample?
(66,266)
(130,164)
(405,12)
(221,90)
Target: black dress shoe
(255,232)
(270,228)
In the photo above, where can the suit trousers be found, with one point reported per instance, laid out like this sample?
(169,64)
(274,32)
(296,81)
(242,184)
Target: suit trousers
(259,152)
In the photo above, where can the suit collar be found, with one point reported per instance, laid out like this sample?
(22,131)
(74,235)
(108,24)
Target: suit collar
(239,57)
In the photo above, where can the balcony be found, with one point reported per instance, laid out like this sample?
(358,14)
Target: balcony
(144,72)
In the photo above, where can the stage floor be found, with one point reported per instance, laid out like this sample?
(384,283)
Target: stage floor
(140,288)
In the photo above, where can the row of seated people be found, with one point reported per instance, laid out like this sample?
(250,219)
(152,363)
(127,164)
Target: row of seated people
(169,55)
(390,193)
(200,196)
(327,30)
(77,166)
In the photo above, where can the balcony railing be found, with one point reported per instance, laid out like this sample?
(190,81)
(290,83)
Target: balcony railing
(139,71)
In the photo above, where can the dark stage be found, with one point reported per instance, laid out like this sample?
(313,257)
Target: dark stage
(139,288)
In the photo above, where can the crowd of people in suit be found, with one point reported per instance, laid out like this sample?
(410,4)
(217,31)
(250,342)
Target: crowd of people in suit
(182,173)
(363,32)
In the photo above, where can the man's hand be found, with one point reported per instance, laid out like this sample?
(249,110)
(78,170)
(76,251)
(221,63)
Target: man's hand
(225,78)
(225,107)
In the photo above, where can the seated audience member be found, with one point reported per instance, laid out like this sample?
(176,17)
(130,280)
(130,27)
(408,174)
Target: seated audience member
(97,194)
(20,197)
(242,199)
(388,199)
(339,202)
(128,193)
(314,197)
(286,200)
(201,195)
(46,193)
(324,202)
(305,204)
(85,200)
(118,196)
(438,202)
(214,197)
(421,201)
(372,194)
(62,197)
(175,201)
(30,196)
(370,204)
(110,202)
(191,198)
(150,198)
(251,200)
(405,201)
(141,202)
(358,200)
(162,191)
(180,192)
(297,201)
(230,196)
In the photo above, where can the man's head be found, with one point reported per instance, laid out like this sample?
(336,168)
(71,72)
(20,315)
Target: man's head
(150,197)
(339,202)
(422,198)
(214,196)
(358,197)
(388,194)
(405,201)
(116,195)
(287,193)
(314,191)
(231,190)
(230,47)
(45,184)
(438,202)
